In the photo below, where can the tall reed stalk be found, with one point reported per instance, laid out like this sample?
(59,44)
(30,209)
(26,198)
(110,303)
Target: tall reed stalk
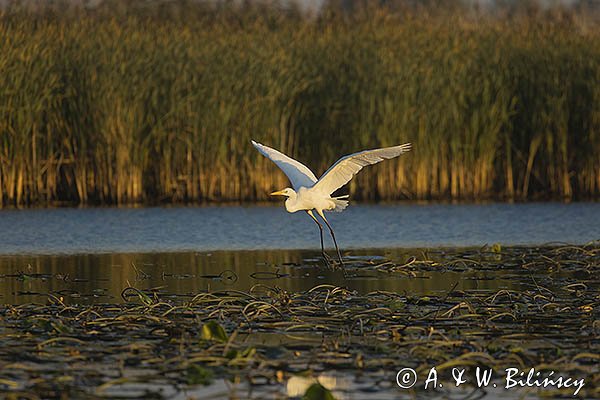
(130,105)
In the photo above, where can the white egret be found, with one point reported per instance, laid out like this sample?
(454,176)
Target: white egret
(310,193)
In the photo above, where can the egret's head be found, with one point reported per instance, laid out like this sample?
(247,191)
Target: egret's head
(287,192)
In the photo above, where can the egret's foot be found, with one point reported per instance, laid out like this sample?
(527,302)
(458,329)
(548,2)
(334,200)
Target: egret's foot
(328,260)
(340,261)
(336,263)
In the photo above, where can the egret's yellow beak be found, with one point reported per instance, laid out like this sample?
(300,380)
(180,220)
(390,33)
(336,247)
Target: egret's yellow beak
(279,193)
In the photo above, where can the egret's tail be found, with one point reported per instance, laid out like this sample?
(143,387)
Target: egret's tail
(340,205)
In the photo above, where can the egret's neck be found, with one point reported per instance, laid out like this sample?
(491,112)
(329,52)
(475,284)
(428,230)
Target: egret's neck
(290,203)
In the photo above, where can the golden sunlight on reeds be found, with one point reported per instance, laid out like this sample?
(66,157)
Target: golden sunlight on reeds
(101,107)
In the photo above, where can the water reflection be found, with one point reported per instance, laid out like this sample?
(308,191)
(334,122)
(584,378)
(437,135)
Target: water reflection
(102,277)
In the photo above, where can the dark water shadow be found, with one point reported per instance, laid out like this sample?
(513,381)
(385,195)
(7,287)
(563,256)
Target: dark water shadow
(100,278)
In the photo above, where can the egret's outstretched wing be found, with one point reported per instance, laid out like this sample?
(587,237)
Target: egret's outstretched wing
(298,173)
(346,167)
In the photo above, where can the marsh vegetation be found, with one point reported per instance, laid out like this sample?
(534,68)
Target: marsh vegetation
(144,102)
(492,307)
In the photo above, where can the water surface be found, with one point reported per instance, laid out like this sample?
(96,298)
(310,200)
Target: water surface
(95,256)
(100,278)
(176,229)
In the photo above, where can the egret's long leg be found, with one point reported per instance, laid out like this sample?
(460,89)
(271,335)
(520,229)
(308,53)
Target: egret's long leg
(333,237)
(325,255)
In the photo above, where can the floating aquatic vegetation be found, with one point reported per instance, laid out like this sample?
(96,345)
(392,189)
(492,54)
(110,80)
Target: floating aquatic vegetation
(260,341)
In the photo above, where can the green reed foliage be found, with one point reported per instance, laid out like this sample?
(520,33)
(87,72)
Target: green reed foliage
(148,104)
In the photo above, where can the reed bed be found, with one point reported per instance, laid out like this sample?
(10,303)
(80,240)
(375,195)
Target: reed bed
(155,344)
(128,104)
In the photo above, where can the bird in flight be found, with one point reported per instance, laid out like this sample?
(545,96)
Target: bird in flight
(310,193)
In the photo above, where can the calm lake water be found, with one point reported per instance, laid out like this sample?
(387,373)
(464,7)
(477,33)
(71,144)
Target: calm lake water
(176,229)
(100,278)
(90,255)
